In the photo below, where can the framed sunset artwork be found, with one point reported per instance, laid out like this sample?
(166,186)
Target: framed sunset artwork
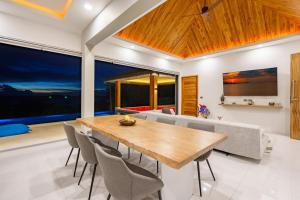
(260,82)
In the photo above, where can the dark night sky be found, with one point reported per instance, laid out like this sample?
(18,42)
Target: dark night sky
(26,68)
(34,69)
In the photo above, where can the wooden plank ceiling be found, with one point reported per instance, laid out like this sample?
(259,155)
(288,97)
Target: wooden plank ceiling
(233,23)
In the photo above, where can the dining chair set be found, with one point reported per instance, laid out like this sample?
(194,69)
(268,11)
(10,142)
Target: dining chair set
(122,179)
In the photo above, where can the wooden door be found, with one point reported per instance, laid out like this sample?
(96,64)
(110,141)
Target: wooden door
(189,95)
(295,96)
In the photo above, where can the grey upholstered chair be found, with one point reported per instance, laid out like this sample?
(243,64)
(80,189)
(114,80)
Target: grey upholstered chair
(88,155)
(124,180)
(165,121)
(70,132)
(86,143)
(204,157)
(144,117)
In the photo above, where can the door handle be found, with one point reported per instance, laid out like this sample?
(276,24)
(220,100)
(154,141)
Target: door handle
(293,90)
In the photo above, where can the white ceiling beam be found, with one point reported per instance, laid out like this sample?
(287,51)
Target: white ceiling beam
(117,15)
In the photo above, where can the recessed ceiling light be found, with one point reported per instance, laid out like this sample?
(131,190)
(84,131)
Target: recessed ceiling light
(88,6)
(167,57)
(132,47)
(260,45)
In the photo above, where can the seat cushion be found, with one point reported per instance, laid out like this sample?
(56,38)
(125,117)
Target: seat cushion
(203,157)
(140,170)
(107,149)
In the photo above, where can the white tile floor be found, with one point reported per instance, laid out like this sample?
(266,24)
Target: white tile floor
(39,173)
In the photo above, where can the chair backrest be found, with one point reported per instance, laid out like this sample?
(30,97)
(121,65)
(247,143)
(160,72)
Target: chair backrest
(86,147)
(117,177)
(201,126)
(144,117)
(166,120)
(166,111)
(70,132)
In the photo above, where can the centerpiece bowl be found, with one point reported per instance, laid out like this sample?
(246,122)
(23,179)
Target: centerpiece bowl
(127,121)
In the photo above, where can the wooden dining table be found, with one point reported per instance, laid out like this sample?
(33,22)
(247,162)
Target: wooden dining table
(175,147)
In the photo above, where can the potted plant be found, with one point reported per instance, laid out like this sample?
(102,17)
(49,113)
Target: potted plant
(203,111)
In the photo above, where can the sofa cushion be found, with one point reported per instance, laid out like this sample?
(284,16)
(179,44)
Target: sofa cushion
(201,126)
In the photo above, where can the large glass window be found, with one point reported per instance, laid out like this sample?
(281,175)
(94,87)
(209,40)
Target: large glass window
(166,94)
(134,87)
(38,86)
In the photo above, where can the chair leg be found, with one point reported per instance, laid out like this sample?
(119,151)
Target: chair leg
(108,197)
(199,178)
(128,152)
(92,183)
(157,170)
(78,153)
(82,173)
(210,170)
(69,157)
(159,195)
(118,145)
(140,158)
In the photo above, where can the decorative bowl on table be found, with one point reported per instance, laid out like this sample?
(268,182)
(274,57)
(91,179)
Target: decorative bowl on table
(127,121)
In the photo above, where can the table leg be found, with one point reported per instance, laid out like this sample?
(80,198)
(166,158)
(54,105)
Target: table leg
(178,183)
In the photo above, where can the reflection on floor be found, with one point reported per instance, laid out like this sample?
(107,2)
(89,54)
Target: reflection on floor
(43,133)
(38,173)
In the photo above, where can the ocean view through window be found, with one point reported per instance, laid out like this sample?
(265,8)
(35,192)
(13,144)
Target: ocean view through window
(38,86)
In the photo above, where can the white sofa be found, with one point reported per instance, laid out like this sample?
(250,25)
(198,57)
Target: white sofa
(243,139)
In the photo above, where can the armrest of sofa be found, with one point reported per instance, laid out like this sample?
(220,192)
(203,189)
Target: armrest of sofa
(244,141)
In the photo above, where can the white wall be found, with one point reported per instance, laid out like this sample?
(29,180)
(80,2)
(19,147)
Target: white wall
(211,84)
(18,28)
(112,51)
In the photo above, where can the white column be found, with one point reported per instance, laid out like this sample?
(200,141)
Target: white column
(87,82)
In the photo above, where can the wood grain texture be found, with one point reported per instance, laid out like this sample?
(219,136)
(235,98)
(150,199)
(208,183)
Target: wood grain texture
(233,23)
(295,96)
(172,145)
(153,90)
(189,97)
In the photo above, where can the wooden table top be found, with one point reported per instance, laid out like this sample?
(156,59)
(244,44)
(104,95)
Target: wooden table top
(172,145)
